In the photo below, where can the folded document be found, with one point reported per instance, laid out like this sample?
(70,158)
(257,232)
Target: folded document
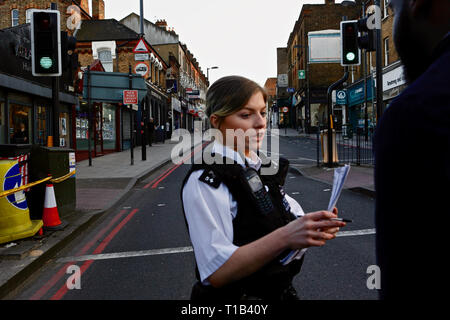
(340,175)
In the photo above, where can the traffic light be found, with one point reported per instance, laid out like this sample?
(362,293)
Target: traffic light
(366,41)
(45,43)
(68,45)
(350,52)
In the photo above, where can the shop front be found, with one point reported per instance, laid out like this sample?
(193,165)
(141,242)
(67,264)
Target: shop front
(158,110)
(106,133)
(26,105)
(394,82)
(357,112)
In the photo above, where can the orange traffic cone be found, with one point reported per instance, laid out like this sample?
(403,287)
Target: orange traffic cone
(50,216)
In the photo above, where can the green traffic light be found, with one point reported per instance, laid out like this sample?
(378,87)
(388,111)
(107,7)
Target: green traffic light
(350,56)
(46,62)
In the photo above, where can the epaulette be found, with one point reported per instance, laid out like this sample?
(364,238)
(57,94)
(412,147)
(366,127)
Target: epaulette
(210,177)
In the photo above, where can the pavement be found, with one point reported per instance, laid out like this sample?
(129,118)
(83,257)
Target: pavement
(104,184)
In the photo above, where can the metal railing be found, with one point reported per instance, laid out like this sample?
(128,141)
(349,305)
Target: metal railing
(354,146)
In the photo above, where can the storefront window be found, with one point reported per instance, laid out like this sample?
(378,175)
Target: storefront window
(2,124)
(109,127)
(42,125)
(82,129)
(20,124)
(64,130)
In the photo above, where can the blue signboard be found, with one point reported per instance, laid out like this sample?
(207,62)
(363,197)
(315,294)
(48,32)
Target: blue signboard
(355,93)
(341,97)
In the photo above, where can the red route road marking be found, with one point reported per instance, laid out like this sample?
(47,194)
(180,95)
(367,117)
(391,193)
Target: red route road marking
(43,290)
(164,175)
(63,290)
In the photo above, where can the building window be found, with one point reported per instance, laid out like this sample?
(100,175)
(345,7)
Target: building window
(386,51)
(14,17)
(41,124)
(106,58)
(385,8)
(28,15)
(20,124)
(2,124)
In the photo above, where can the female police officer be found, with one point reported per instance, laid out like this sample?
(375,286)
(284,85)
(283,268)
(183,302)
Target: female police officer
(240,233)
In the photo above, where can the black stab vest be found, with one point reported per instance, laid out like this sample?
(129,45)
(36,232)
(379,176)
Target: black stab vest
(250,225)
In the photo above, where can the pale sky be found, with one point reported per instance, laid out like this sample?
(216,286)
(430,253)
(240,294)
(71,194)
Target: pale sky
(238,36)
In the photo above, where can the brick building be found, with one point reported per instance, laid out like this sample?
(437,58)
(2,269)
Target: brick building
(271,88)
(311,93)
(25,99)
(358,109)
(17,12)
(112,43)
(185,71)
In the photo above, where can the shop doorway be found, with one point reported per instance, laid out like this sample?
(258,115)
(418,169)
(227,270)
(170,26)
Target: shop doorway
(20,124)
(98,133)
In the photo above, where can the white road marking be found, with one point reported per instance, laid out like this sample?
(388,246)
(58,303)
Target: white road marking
(154,252)
(129,254)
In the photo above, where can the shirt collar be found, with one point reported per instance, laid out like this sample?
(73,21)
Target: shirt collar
(228,152)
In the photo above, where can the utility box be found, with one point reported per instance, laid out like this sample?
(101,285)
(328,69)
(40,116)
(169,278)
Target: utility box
(55,162)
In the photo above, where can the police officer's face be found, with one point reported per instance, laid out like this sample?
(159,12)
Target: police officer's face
(248,124)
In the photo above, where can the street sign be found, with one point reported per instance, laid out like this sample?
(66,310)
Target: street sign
(130,97)
(142,68)
(285,109)
(301,74)
(341,97)
(141,56)
(290,90)
(141,47)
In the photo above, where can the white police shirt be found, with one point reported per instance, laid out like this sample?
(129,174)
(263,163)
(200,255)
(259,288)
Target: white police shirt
(210,213)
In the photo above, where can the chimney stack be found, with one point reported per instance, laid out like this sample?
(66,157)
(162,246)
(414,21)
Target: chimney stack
(98,9)
(162,24)
(84,4)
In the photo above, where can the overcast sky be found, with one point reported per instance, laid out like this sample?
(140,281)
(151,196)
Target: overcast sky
(238,36)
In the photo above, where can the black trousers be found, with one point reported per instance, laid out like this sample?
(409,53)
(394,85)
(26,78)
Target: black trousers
(204,293)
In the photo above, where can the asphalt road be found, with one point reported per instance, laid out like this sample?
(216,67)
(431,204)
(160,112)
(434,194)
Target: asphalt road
(141,250)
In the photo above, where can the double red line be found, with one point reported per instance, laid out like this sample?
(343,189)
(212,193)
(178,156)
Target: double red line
(166,173)
(63,289)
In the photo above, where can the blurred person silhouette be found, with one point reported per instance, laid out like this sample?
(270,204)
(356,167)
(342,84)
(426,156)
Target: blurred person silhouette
(412,157)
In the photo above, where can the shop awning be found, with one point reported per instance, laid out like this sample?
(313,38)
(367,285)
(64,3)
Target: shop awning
(109,86)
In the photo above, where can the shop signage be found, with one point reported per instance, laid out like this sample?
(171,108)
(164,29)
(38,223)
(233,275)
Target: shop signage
(130,97)
(176,105)
(393,78)
(341,97)
(355,93)
(141,47)
(142,68)
(282,80)
(141,56)
(171,85)
(109,86)
(290,90)
(301,74)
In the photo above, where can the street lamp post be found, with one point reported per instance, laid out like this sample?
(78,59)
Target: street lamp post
(207,71)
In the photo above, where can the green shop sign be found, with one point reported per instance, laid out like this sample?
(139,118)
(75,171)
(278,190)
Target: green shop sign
(355,93)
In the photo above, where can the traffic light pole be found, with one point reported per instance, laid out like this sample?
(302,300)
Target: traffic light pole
(379,79)
(334,86)
(130,77)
